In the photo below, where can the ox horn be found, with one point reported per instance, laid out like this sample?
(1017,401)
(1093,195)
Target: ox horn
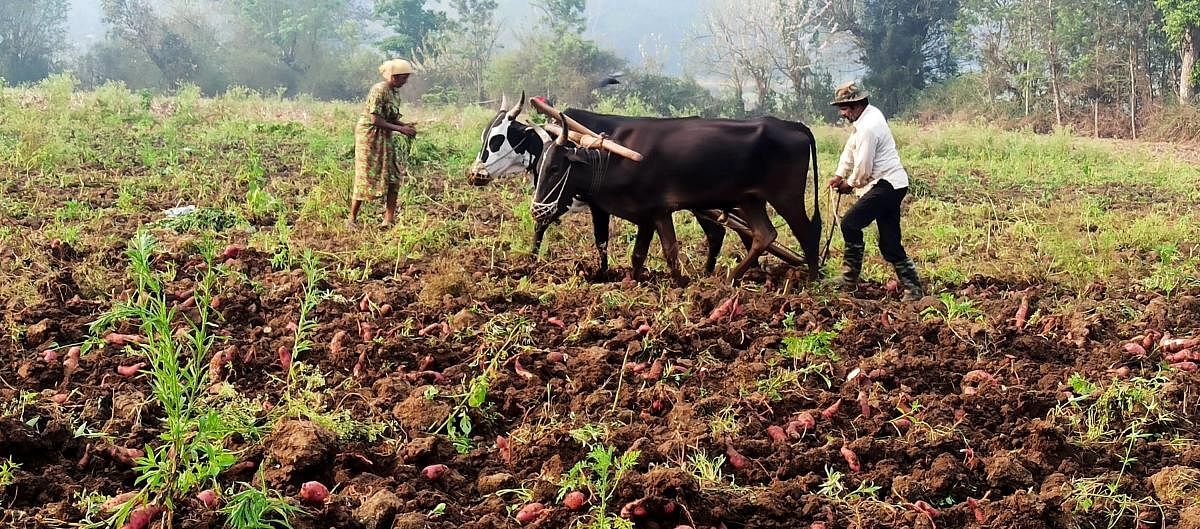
(512,114)
(545,136)
(503,102)
(562,135)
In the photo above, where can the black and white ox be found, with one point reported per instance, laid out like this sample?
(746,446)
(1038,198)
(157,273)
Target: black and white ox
(689,163)
(510,146)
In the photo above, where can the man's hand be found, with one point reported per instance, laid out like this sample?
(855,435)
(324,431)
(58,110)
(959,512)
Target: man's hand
(845,188)
(836,182)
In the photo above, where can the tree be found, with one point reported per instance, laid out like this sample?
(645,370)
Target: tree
(411,22)
(458,56)
(563,16)
(31,35)
(904,44)
(136,23)
(1182,22)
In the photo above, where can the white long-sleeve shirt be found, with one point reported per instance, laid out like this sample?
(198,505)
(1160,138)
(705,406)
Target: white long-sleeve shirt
(870,154)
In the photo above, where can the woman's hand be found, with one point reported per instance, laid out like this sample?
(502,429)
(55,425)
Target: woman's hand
(407,130)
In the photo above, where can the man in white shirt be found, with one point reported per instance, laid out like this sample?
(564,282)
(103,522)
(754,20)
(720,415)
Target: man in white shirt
(870,168)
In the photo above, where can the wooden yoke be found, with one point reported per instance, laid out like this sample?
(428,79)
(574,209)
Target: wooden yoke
(582,135)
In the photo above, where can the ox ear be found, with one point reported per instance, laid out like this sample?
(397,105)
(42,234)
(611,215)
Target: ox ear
(579,156)
(512,114)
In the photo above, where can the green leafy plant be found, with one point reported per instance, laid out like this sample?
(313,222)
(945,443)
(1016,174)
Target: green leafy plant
(953,309)
(836,490)
(599,473)
(258,508)
(7,466)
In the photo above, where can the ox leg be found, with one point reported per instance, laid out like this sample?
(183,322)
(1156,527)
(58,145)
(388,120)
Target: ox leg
(714,233)
(641,248)
(807,231)
(600,220)
(670,245)
(764,234)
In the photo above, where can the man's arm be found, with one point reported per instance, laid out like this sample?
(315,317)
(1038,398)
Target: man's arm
(864,160)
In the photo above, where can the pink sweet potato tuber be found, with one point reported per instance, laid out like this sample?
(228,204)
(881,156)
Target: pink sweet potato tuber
(231,251)
(313,493)
(505,449)
(555,357)
(1190,367)
(1022,312)
(217,363)
(574,500)
(633,510)
(125,456)
(425,364)
(385,309)
(643,329)
(116,502)
(736,459)
(520,369)
(70,364)
(973,504)
(335,343)
(141,517)
(530,512)
(49,356)
(557,322)
(832,410)
(1135,349)
(777,434)
(864,404)
(130,370)
(1182,356)
(976,381)
(208,498)
(1172,345)
(360,365)
(727,309)
(285,357)
(428,329)
(121,340)
(364,304)
(851,458)
(434,472)
(655,372)
(366,331)
(924,508)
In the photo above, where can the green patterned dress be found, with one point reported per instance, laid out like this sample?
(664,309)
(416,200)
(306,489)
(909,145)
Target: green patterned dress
(380,155)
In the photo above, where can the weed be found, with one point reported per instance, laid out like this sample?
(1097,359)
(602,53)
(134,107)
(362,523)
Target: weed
(837,491)
(258,508)
(7,466)
(953,309)
(724,423)
(599,473)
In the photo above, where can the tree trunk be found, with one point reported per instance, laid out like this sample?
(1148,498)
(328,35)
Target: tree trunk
(1053,52)
(1132,90)
(1191,48)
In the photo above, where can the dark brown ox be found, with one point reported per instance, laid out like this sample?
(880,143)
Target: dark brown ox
(690,163)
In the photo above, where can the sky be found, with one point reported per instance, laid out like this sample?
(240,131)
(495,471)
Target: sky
(666,27)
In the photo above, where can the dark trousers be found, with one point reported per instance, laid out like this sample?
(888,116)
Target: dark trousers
(881,205)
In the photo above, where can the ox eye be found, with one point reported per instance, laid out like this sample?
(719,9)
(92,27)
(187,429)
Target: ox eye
(496,141)
(483,156)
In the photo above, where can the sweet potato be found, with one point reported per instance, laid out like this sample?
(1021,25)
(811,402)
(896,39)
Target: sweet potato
(530,512)
(643,329)
(864,404)
(141,517)
(313,493)
(505,449)
(976,381)
(366,331)
(335,343)
(1182,356)
(924,508)
(49,356)
(359,365)
(633,510)
(736,459)
(832,410)
(851,458)
(364,304)
(426,363)
(1120,372)
(892,285)
(973,504)
(428,329)
(130,370)
(655,372)
(208,498)
(432,376)
(217,363)
(777,434)
(59,398)
(385,309)
(521,369)
(1135,349)
(115,503)
(557,322)
(796,428)
(125,456)
(1185,366)
(121,340)
(215,302)
(1172,345)
(555,357)
(723,310)
(232,251)
(574,500)
(1022,312)
(70,364)
(434,472)
(285,357)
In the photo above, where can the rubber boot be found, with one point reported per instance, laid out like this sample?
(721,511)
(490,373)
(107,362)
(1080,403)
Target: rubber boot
(852,261)
(906,271)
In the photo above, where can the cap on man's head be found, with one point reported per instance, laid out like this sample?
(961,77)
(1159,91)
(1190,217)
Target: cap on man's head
(395,67)
(847,93)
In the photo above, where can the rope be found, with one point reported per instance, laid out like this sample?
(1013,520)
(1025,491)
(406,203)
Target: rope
(837,203)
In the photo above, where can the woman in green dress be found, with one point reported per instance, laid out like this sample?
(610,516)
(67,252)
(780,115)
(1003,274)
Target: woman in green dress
(379,162)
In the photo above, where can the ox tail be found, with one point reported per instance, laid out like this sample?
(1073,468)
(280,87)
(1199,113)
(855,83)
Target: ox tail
(816,184)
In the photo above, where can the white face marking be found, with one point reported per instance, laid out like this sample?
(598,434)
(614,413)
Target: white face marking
(504,159)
